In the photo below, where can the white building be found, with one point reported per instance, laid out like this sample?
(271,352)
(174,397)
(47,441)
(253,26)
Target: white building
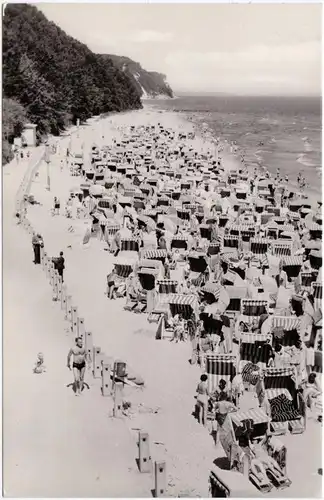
(29,134)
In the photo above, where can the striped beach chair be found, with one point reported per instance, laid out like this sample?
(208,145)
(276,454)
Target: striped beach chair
(230,243)
(281,248)
(180,242)
(275,383)
(129,245)
(252,309)
(236,294)
(317,293)
(292,265)
(259,246)
(290,325)
(186,305)
(155,254)
(254,348)
(220,366)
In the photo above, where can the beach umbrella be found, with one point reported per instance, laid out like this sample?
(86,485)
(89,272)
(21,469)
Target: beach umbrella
(97,190)
(269,284)
(147,221)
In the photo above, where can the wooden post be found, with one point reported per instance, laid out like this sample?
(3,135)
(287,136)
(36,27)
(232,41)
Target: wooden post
(144,452)
(160,479)
(52,273)
(44,262)
(42,253)
(89,345)
(63,297)
(55,288)
(118,399)
(74,320)
(68,310)
(59,287)
(106,384)
(80,327)
(97,358)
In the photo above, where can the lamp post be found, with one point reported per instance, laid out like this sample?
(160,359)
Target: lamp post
(47,160)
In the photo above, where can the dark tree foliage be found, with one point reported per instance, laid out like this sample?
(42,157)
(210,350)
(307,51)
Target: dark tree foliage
(56,78)
(13,119)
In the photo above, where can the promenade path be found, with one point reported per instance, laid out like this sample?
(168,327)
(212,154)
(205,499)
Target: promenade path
(55,444)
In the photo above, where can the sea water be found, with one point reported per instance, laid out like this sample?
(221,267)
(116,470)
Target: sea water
(274,132)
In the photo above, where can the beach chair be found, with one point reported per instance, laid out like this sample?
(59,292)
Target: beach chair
(259,246)
(317,293)
(251,310)
(129,245)
(198,263)
(230,243)
(236,294)
(315,231)
(277,389)
(214,248)
(205,231)
(180,242)
(292,266)
(226,484)
(254,349)
(289,326)
(281,248)
(220,366)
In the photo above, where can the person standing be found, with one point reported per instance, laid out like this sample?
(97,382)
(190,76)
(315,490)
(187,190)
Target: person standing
(79,354)
(202,399)
(37,242)
(60,265)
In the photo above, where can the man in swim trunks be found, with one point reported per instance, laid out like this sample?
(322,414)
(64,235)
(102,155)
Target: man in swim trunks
(79,354)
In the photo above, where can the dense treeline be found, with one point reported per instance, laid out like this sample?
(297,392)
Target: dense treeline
(13,119)
(56,78)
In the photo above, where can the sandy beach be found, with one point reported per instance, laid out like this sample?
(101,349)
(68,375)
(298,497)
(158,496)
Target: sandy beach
(50,434)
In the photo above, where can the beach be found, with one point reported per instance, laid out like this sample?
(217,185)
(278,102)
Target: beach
(55,434)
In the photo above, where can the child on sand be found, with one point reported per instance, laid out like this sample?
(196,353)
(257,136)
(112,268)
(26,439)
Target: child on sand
(39,365)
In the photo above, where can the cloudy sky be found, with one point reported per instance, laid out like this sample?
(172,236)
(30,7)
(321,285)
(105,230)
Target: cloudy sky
(234,48)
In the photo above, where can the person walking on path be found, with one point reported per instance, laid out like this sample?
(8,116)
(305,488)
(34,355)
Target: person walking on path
(79,354)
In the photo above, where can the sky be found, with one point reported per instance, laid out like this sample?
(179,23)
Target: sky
(272,49)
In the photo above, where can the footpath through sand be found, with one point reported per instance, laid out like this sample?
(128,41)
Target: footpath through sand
(54,444)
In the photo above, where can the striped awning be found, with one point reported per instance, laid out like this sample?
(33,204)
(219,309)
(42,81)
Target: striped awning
(279,372)
(155,254)
(146,270)
(286,322)
(315,227)
(251,338)
(213,288)
(180,238)
(294,260)
(182,299)
(287,228)
(242,227)
(167,282)
(260,240)
(257,415)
